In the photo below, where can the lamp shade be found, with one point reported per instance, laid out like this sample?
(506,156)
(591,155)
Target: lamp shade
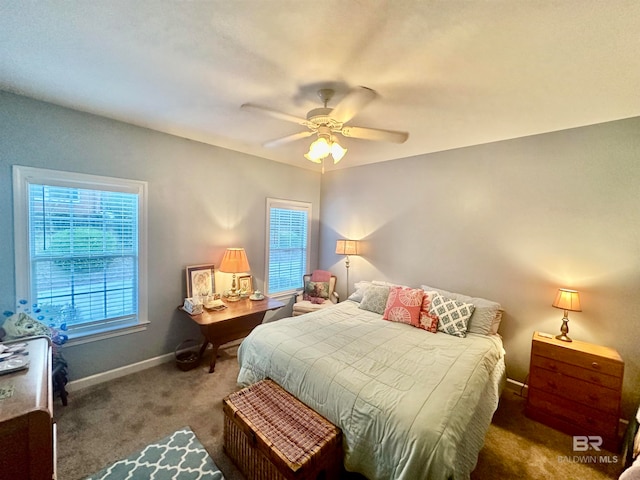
(567,300)
(234,261)
(347,247)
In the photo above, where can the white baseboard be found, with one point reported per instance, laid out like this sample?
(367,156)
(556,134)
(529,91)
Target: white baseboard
(516,386)
(98,378)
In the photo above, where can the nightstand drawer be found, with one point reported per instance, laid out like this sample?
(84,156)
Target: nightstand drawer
(601,398)
(588,375)
(581,359)
(588,421)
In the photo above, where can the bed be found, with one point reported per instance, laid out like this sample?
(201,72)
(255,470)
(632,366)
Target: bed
(411,404)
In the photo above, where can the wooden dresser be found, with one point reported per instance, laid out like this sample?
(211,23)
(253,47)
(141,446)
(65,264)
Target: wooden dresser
(576,387)
(27,431)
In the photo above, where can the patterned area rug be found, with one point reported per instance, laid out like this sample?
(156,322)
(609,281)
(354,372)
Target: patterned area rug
(180,456)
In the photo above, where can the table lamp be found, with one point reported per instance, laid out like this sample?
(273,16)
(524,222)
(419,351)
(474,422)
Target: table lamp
(567,300)
(234,261)
(347,247)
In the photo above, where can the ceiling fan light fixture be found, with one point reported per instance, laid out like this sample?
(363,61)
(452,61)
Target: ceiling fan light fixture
(312,159)
(318,150)
(337,152)
(324,146)
(325,121)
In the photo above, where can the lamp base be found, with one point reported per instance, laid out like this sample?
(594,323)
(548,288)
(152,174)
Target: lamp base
(564,338)
(564,329)
(233,296)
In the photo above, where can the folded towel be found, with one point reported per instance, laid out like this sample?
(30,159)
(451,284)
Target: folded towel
(320,276)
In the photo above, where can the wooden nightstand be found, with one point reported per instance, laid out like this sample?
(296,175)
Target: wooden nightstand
(576,387)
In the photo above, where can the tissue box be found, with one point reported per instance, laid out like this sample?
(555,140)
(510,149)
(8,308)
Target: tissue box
(192,306)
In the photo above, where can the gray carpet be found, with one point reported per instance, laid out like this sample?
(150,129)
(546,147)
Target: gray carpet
(108,422)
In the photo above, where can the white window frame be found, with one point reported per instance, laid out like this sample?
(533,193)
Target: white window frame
(22,178)
(290,205)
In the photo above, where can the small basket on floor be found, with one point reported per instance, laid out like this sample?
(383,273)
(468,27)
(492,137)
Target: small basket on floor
(187,356)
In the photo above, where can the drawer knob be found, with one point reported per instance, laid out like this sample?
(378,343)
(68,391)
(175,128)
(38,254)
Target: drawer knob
(595,365)
(594,379)
(552,384)
(592,397)
(553,366)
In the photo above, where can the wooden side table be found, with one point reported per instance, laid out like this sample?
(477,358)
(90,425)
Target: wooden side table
(576,387)
(234,322)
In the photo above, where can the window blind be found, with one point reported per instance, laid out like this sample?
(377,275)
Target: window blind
(83,250)
(288,248)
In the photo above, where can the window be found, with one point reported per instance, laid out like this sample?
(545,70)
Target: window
(80,244)
(287,246)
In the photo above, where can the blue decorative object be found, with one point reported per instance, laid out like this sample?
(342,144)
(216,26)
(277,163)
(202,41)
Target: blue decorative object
(56,317)
(21,324)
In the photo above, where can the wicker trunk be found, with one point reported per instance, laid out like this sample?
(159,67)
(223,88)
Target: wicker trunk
(269,434)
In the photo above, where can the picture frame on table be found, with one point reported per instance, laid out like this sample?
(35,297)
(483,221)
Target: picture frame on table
(200,280)
(245,283)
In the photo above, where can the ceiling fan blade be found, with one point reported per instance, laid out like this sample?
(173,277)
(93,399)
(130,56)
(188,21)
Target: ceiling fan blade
(289,138)
(375,134)
(273,113)
(350,105)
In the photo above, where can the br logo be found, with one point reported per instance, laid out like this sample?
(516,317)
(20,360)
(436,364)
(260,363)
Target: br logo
(582,443)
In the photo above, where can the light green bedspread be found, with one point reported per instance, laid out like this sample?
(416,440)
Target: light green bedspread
(403,397)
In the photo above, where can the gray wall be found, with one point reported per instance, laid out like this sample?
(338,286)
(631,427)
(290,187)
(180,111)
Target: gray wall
(202,199)
(509,221)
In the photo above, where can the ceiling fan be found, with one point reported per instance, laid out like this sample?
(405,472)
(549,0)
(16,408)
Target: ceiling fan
(325,122)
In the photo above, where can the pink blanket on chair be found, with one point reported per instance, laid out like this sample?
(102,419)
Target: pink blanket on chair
(320,276)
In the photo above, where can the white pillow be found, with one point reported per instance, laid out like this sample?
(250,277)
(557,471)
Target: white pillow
(487,314)
(362,286)
(388,284)
(359,293)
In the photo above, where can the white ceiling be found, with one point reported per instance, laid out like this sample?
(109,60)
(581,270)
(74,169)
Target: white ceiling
(452,73)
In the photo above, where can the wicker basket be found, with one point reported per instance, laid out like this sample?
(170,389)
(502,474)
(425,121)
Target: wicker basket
(269,434)
(188,358)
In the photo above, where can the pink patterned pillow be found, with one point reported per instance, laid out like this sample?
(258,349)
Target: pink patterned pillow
(403,305)
(428,321)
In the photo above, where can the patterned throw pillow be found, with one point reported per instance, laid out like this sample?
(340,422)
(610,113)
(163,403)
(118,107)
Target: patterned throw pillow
(428,321)
(316,290)
(375,299)
(453,315)
(486,315)
(403,305)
